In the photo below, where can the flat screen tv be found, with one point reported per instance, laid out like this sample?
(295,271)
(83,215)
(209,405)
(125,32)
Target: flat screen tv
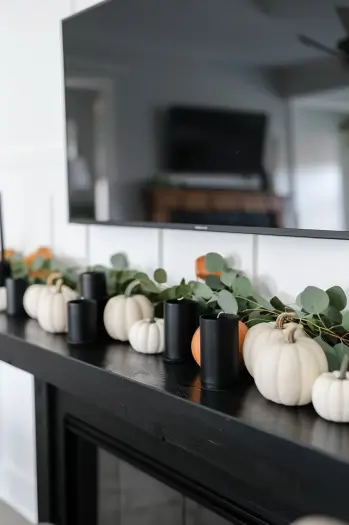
(226,115)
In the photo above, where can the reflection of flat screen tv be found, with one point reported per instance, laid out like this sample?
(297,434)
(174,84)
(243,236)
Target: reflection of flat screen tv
(207,140)
(206,114)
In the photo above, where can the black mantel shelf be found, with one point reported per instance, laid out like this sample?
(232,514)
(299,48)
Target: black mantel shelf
(279,462)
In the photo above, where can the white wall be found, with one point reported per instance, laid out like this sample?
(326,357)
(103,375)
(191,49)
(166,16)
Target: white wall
(33,184)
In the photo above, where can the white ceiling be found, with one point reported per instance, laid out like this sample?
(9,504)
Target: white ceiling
(248,32)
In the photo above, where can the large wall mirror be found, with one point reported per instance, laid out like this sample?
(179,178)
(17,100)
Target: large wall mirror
(218,114)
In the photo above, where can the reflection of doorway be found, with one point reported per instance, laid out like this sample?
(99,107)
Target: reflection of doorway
(81,151)
(90,136)
(320,152)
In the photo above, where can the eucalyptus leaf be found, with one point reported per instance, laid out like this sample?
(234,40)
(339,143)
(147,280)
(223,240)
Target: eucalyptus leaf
(125,276)
(242,303)
(141,276)
(314,300)
(227,302)
(149,287)
(214,262)
(345,321)
(119,261)
(332,356)
(160,276)
(38,263)
(214,282)
(277,304)
(254,315)
(228,278)
(183,291)
(338,298)
(259,320)
(202,291)
(242,286)
(333,315)
(257,300)
(341,350)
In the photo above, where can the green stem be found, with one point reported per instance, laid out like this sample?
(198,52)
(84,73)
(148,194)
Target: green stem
(130,287)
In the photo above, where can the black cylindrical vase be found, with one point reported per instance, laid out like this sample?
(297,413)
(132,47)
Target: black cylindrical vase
(219,345)
(93,285)
(5,271)
(82,321)
(15,289)
(181,320)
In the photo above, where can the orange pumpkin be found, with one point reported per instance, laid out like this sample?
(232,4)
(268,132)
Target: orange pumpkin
(200,268)
(195,342)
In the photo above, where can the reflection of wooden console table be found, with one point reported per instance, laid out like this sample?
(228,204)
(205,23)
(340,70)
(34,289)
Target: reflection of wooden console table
(166,200)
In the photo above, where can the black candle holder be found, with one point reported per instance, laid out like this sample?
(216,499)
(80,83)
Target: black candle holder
(5,271)
(93,285)
(181,320)
(219,345)
(82,321)
(15,289)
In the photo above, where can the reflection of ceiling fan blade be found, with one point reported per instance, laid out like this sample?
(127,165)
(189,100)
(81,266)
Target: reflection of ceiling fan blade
(343,15)
(310,77)
(317,45)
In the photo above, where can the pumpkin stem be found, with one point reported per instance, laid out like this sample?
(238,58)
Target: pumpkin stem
(52,277)
(289,332)
(59,285)
(282,318)
(344,367)
(130,287)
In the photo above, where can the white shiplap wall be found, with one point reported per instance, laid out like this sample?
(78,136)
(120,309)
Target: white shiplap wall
(33,184)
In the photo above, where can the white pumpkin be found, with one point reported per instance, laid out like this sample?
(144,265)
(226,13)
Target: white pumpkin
(34,292)
(330,395)
(32,297)
(3,299)
(123,311)
(147,336)
(262,335)
(52,310)
(285,371)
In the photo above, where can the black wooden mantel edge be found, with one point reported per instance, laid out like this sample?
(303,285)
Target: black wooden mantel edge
(289,476)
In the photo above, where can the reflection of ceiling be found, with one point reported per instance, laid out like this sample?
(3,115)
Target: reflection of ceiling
(238,30)
(260,33)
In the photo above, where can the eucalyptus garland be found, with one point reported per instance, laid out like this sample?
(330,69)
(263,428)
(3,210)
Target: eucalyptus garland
(322,313)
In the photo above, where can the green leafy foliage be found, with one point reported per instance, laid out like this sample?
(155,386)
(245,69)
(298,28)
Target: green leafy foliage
(227,302)
(214,262)
(214,282)
(119,261)
(242,286)
(160,276)
(228,278)
(338,299)
(313,300)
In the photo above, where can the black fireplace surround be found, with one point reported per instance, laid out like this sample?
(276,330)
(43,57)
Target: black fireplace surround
(240,457)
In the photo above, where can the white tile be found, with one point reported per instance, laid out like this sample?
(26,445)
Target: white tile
(139,244)
(286,265)
(69,240)
(181,248)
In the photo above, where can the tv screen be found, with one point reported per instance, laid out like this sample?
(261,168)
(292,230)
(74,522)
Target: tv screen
(229,115)
(209,141)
